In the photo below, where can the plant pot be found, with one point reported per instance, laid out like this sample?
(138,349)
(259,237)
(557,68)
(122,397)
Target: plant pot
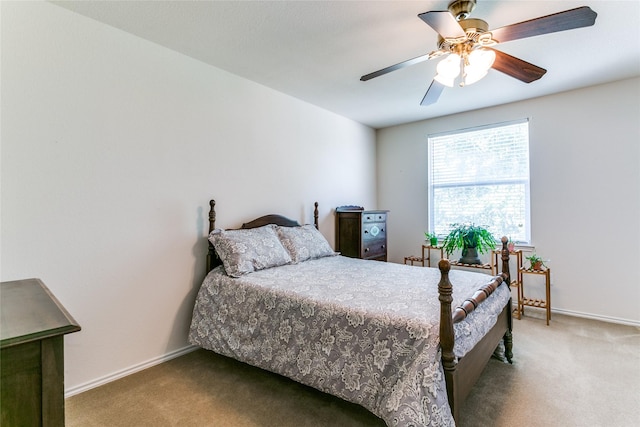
(536,266)
(470,256)
(511,246)
(433,241)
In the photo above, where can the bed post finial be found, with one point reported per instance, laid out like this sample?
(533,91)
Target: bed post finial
(315,215)
(212,215)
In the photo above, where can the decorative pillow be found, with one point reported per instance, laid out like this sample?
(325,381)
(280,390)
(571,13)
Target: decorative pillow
(304,242)
(247,250)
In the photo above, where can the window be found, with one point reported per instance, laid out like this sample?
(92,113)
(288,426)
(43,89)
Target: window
(481,176)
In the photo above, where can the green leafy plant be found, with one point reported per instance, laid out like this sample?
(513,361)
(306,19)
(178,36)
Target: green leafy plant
(464,236)
(431,237)
(536,263)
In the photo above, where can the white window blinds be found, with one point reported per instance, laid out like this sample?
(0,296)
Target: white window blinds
(481,176)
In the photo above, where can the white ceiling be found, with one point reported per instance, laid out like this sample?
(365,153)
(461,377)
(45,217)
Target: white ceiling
(317,50)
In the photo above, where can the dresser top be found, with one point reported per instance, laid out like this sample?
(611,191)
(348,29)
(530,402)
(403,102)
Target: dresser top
(355,209)
(29,312)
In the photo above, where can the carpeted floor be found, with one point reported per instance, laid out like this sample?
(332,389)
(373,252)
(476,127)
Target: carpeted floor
(575,372)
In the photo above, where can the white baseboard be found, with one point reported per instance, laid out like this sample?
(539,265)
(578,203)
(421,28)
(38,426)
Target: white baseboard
(597,317)
(188,349)
(128,371)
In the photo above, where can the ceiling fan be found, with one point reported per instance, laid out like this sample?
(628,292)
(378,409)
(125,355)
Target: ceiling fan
(466,43)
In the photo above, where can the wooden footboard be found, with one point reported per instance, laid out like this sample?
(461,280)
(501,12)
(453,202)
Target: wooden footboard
(460,376)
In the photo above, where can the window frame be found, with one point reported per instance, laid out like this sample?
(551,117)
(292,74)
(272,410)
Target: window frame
(485,182)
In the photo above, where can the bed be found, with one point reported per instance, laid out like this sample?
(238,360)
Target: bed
(399,340)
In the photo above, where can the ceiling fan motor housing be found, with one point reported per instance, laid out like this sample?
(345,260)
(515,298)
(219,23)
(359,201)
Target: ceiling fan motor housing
(474,29)
(461,9)
(474,25)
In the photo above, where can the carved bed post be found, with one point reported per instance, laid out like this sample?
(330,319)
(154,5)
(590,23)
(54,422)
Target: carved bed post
(508,337)
(505,259)
(445,289)
(212,226)
(315,215)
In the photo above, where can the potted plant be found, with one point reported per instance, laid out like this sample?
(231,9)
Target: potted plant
(511,245)
(536,263)
(471,239)
(432,238)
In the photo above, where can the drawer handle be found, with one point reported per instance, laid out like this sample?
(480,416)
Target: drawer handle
(366,249)
(366,231)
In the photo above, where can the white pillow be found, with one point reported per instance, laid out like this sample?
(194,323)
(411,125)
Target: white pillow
(247,250)
(304,242)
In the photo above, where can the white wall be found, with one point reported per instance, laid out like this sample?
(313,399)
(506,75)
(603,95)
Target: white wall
(111,149)
(585,191)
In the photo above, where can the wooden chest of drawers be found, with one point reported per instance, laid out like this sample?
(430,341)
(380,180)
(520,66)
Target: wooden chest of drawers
(33,324)
(361,234)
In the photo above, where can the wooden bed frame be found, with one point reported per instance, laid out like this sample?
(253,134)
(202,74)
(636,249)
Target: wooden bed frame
(462,374)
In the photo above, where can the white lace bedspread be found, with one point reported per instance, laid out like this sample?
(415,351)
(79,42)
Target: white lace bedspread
(365,331)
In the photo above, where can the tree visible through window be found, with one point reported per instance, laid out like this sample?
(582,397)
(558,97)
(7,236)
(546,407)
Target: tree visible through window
(481,176)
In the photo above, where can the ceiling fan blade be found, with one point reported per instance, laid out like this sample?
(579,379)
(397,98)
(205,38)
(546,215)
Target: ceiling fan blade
(444,23)
(433,93)
(561,21)
(517,68)
(403,64)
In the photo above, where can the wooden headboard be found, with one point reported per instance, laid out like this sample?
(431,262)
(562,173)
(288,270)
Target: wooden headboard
(212,257)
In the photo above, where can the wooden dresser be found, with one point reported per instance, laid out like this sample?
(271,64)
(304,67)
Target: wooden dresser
(361,233)
(32,326)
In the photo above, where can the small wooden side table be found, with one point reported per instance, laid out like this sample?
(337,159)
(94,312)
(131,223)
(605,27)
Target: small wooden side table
(533,302)
(426,253)
(32,326)
(411,260)
(426,256)
(486,266)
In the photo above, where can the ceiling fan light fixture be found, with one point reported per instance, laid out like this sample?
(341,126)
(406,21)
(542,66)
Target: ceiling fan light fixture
(465,43)
(448,69)
(477,65)
(473,74)
(482,58)
(447,81)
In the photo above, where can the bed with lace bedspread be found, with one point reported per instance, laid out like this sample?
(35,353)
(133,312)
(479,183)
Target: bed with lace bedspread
(365,331)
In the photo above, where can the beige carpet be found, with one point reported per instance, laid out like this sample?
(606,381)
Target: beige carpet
(575,372)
